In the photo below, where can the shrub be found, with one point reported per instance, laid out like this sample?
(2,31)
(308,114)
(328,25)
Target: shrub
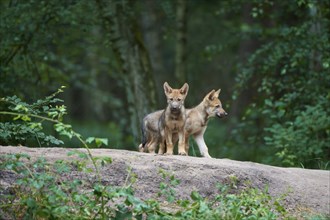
(290,73)
(46,190)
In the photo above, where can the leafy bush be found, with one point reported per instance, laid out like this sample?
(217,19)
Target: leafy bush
(291,74)
(304,140)
(27,123)
(48,191)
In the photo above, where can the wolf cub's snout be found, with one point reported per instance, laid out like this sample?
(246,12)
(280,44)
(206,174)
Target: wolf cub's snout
(222,114)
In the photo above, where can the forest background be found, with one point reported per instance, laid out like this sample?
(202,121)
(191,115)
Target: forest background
(270,58)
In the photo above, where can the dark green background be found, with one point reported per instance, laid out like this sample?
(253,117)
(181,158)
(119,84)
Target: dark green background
(270,58)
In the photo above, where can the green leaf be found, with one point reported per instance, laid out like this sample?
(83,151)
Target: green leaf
(195,196)
(100,141)
(64,129)
(80,154)
(103,160)
(52,114)
(31,203)
(281,113)
(17,117)
(89,140)
(268,102)
(20,107)
(26,118)
(203,207)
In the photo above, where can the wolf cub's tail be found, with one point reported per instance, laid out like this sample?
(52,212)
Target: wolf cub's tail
(144,137)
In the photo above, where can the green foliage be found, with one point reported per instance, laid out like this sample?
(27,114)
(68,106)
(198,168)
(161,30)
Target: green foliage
(291,75)
(304,140)
(27,32)
(46,191)
(38,54)
(276,50)
(98,141)
(15,134)
(44,194)
(29,118)
(249,204)
(167,187)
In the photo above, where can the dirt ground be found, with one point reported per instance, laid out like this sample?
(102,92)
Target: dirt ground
(307,190)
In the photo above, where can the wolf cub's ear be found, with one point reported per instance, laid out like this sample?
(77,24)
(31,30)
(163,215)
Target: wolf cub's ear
(210,95)
(216,94)
(167,88)
(184,89)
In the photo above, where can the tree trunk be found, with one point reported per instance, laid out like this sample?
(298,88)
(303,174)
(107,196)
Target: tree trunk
(152,34)
(246,47)
(126,42)
(181,42)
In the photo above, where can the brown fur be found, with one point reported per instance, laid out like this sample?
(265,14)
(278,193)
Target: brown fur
(173,119)
(198,117)
(150,132)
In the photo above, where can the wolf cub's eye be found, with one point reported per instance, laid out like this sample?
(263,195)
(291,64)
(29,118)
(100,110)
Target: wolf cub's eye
(179,100)
(217,106)
(171,99)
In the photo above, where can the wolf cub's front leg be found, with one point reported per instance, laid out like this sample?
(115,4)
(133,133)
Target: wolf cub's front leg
(199,138)
(169,143)
(181,144)
(162,147)
(186,142)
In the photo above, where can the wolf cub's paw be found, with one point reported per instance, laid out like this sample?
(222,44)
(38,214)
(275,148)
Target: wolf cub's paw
(183,153)
(141,148)
(166,154)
